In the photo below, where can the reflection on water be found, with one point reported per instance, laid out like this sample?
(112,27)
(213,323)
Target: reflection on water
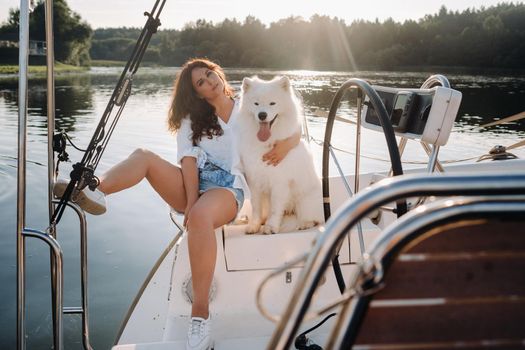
(73,99)
(485,98)
(121,249)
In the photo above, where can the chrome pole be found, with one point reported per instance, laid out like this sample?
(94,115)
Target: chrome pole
(83,275)
(23,58)
(57,269)
(357,166)
(358,140)
(83,309)
(434,80)
(50,69)
(433,162)
(56,251)
(50,60)
(84,279)
(56,256)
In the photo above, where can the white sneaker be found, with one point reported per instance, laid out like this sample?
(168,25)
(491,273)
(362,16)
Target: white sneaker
(93,202)
(199,334)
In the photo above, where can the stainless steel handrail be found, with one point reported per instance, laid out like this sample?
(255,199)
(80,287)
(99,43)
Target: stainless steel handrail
(83,310)
(436,80)
(357,168)
(385,191)
(22,232)
(50,66)
(393,239)
(58,287)
(49,237)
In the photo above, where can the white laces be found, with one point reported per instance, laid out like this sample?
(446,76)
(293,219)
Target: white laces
(196,328)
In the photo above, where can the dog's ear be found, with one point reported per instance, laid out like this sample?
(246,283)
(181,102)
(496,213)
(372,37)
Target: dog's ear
(284,82)
(246,83)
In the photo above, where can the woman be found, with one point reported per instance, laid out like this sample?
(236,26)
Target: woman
(204,187)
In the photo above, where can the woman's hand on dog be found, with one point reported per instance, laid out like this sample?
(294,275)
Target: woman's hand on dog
(277,153)
(280,149)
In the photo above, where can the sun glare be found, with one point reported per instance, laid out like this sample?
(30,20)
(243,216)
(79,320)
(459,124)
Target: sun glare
(272,11)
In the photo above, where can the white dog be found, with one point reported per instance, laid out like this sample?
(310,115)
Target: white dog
(271,111)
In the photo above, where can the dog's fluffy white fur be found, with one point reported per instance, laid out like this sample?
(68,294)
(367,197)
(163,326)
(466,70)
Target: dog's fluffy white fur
(270,111)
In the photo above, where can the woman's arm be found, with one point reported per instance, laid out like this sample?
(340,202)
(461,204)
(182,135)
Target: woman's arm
(281,148)
(190,176)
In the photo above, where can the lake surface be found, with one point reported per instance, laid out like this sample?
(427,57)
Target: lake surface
(126,241)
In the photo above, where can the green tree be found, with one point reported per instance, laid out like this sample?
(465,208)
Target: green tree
(72,35)
(478,38)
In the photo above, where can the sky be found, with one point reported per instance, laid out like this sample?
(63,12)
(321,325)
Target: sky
(177,13)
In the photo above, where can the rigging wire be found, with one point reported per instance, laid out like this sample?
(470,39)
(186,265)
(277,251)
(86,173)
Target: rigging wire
(320,143)
(518,116)
(83,174)
(512,118)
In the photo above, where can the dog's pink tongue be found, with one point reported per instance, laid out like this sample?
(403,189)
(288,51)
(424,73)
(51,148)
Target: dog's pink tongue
(264,131)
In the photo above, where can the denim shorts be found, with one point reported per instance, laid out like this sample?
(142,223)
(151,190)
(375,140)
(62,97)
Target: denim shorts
(211,176)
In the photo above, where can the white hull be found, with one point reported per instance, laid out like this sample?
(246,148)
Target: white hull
(159,319)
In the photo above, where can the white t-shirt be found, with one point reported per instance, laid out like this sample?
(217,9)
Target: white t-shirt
(219,150)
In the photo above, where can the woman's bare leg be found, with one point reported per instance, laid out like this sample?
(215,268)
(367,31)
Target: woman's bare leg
(164,177)
(213,209)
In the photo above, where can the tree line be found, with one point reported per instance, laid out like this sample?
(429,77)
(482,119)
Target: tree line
(488,37)
(72,35)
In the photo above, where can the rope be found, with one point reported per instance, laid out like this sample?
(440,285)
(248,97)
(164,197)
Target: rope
(517,144)
(518,116)
(322,114)
(512,118)
(497,153)
(320,143)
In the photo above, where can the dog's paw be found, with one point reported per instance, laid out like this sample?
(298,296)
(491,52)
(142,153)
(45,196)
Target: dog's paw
(269,230)
(252,228)
(305,225)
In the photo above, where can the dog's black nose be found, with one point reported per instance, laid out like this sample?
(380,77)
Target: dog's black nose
(262,116)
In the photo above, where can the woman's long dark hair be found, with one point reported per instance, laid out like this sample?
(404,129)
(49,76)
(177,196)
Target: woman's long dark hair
(185,101)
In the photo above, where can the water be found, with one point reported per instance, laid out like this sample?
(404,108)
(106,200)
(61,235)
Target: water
(124,243)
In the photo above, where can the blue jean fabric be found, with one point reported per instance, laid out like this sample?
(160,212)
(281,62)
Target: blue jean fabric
(212,176)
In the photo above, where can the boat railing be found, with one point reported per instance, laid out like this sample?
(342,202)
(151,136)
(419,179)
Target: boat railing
(49,235)
(366,201)
(457,260)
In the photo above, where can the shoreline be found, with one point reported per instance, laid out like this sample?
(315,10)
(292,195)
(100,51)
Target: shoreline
(12,70)
(36,70)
